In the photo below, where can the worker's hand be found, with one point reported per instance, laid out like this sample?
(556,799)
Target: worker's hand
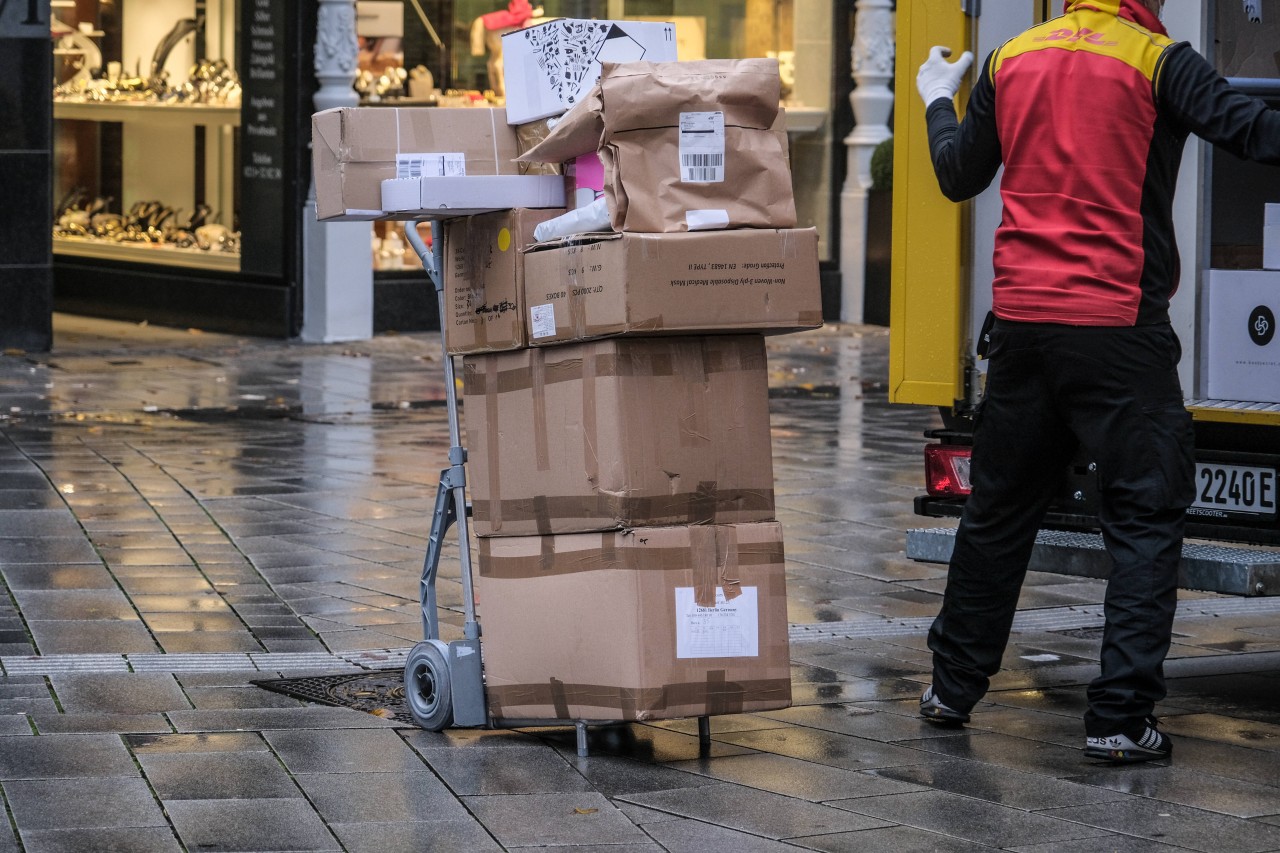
(938,78)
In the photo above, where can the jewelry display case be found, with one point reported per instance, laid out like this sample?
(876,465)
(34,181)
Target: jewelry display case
(180,161)
(147,106)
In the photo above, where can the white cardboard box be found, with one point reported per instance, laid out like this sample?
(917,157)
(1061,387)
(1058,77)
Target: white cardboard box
(548,67)
(468,195)
(1244,350)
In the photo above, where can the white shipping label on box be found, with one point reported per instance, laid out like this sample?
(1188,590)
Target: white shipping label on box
(430,165)
(730,629)
(702,147)
(542,320)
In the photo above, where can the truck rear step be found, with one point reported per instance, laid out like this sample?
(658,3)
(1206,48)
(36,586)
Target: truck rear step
(1205,566)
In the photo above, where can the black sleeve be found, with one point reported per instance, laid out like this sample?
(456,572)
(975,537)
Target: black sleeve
(1202,101)
(966,154)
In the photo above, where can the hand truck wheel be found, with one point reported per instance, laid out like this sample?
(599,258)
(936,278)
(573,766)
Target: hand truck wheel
(427,689)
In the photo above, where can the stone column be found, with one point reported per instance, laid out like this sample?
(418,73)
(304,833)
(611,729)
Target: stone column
(337,284)
(872,100)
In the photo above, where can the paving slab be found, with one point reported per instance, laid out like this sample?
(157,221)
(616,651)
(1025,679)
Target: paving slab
(217,775)
(557,820)
(753,811)
(130,839)
(378,797)
(64,756)
(456,836)
(232,826)
(132,693)
(84,803)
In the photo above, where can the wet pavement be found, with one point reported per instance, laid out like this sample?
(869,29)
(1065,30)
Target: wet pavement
(182,514)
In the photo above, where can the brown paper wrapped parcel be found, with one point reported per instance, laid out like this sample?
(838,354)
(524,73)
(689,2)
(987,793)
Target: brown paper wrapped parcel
(686,146)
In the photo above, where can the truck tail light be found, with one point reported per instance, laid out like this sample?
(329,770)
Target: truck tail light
(946,470)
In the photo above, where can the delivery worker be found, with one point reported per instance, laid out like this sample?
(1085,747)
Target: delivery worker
(1088,114)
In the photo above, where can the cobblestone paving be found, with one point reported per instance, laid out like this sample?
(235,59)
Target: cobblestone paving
(184,513)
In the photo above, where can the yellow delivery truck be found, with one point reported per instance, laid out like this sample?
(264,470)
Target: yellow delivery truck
(1224,312)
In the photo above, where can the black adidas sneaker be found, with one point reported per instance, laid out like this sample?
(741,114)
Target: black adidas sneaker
(1149,745)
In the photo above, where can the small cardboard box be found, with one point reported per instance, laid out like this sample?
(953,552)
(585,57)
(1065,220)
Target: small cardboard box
(1244,350)
(354,149)
(602,285)
(484,279)
(547,68)
(625,432)
(643,624)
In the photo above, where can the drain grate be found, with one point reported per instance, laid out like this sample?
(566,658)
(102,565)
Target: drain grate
(380,693)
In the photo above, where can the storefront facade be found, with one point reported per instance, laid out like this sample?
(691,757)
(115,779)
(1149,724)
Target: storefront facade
(176,142)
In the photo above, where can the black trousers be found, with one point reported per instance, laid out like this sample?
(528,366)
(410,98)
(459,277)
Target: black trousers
(1115,391)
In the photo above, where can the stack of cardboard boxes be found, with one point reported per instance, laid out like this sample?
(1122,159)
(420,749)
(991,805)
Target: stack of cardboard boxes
(620,465)
(615,399)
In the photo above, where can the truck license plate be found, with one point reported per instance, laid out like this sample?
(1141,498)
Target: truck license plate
(1235,489)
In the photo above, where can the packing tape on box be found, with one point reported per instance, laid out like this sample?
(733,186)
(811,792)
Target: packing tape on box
(522,701)
(564,369)
(727,554)
(590,425)
(542,517)
(548,561)
(704,505)
(703,563)
(492,443)
(538,386)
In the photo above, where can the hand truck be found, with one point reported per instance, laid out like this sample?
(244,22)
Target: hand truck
(444,682)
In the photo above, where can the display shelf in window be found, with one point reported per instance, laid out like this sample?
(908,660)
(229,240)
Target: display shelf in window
(155,114)
(145,155)
(147,253)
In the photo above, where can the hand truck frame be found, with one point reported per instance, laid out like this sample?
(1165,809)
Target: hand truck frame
(444,681)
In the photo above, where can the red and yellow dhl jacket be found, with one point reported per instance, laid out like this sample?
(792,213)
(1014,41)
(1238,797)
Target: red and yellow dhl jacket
(1088,114)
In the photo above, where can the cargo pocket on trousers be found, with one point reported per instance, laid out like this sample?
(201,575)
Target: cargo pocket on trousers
(1172,446)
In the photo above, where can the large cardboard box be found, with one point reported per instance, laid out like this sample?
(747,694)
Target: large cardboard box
(652,284)
(1244,350)
(619,433)
(356,148)
(484,279)
(643,624)
(546,69)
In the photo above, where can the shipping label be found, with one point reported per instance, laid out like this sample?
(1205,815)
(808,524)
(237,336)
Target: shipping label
(430,165)
(542,320)
(702,147)
(730,629)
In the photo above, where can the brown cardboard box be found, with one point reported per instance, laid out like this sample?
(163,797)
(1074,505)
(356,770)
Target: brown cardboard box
(355,150)
(484,279)
(650,284)
(626,432)
(643,624)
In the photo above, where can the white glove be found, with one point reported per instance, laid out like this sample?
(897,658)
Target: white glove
(938,78)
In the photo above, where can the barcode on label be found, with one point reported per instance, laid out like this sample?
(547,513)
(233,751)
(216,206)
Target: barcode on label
(707,167)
